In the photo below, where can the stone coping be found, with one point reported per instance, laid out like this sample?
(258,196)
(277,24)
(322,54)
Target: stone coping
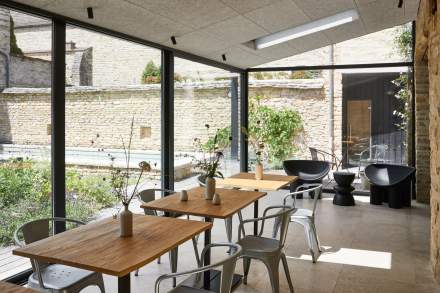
(306,84)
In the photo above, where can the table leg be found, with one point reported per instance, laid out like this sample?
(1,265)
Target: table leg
(207,258)
(124,284)
(256,216)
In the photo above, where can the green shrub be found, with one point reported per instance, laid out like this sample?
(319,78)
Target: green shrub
(151,73)
(25,194)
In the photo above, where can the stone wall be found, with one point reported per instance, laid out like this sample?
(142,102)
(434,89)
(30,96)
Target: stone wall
(428,50)
(29,72)
(99,117)
(422,133)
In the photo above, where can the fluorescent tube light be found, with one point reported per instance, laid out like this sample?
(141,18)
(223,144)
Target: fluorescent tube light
(307,29)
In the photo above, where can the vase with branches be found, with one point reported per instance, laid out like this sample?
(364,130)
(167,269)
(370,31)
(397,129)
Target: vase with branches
(209,161)
(120,183)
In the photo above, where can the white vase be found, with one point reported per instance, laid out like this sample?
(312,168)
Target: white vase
(126,222)
(210,188)
(259,171)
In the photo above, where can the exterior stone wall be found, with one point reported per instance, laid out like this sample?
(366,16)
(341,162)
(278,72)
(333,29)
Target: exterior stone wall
(428,50)
(99,117)
(29,72)
(422,133)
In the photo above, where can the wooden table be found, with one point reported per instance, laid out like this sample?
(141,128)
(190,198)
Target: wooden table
(232,201)
(98,247)
(11,288)
(247,180)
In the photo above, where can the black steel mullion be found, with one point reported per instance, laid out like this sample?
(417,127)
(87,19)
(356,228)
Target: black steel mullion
(244,123)
(58,98)
(167,120)
(334,67)
(234,118)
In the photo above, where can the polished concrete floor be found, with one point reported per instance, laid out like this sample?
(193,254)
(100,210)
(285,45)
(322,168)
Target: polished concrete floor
(368,249)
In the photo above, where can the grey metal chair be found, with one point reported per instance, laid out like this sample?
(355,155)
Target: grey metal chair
(54,278)
(268,250)
(228,267)
(228,221)
(373,154)
(148,195)
(305,217)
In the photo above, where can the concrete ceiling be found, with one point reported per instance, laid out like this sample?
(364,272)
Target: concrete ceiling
(210,28)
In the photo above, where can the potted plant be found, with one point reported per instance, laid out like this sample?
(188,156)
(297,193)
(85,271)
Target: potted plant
(120,183)
(209,162)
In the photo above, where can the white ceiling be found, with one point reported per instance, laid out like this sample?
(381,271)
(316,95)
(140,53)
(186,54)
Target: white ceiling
(210,28)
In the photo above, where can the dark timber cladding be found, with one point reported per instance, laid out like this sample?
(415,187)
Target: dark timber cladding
(167,120)
(58,120)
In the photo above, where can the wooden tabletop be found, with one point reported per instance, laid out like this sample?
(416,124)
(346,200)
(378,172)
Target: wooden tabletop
(11,288)
(232,201)
(247,180)
(97,246)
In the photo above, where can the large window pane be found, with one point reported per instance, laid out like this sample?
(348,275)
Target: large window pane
(25,128)
(110,84)
(206,102)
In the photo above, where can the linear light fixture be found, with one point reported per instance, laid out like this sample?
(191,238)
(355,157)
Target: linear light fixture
(306,29)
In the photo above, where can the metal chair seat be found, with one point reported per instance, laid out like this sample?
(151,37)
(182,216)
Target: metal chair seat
(302,213)
(60,277)
(256,243)
(185,289)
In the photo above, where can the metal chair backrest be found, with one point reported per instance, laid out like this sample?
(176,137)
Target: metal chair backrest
(227,264)
(281,217)
(305,188)
(40,229)
(148,195)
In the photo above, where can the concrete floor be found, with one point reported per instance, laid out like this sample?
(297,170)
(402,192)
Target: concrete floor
(368,249)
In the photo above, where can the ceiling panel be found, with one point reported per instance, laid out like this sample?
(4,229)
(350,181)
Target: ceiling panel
(197,42)
(243,6)
(346,31)
(238,56)
(378,15)
(236,30)
(321,8)
(194,13)
(278,16)
(309,42)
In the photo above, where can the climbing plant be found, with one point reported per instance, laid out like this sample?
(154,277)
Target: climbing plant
(14,49)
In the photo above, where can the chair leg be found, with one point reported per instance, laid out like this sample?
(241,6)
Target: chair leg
(246,266)
(312,241)
(173,254)
(136,273)
(316,236)
(272,266)
(196,252)
(286,270)
(100,284)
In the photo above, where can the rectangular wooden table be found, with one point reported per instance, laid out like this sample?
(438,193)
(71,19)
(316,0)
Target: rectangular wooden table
(11,288)
(232,201)
(247,180)
(98,247)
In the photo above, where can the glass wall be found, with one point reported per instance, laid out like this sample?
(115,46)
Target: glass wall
(25,129)
(205,106)
(112,120)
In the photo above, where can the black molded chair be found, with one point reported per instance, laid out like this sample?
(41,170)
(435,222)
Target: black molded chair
(308,171)
(390,183)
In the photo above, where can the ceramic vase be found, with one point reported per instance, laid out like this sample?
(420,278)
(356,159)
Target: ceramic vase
(126,222)
(210,188)
(259,171)
(216,199)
